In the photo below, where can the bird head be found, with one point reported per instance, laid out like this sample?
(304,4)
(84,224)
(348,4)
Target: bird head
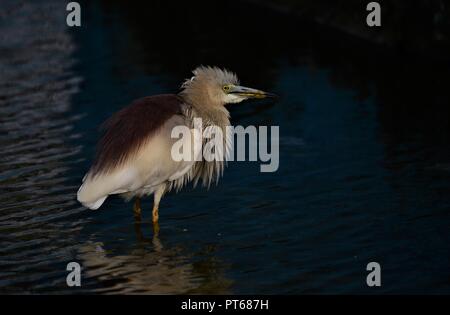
(211,86)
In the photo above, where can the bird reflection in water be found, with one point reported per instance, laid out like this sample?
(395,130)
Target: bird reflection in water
(151,268)
(138,228)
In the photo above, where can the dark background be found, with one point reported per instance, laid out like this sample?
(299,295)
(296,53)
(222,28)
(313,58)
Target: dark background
(364,158)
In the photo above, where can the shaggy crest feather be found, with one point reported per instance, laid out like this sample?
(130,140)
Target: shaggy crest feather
(204,89)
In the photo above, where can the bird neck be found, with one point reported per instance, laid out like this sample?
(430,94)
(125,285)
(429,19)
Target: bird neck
(216,116)
(211,113)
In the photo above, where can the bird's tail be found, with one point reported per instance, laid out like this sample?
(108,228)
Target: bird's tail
(87,197)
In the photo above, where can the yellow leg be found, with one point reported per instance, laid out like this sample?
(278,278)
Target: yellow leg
(155,214)
(137,209)
(157,198)
(155,217)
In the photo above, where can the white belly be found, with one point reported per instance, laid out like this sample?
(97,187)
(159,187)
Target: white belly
(141,174)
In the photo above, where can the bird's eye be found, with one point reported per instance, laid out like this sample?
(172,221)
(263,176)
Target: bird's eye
(226,88)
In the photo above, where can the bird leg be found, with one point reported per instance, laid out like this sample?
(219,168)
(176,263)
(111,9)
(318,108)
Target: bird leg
(157,198)
(155,214)
(155,217)
(137,209)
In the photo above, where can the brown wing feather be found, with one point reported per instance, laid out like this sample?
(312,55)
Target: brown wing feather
(127,129)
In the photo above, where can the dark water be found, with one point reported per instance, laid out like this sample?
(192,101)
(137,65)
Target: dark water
(364,158)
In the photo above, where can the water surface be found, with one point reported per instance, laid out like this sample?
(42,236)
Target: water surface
(364,158)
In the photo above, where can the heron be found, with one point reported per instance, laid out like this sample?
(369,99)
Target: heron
(133,157)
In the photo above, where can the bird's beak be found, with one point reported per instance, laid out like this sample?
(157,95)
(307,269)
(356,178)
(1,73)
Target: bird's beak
(249,92)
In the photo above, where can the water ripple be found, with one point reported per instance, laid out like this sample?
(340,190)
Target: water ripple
(37,198)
